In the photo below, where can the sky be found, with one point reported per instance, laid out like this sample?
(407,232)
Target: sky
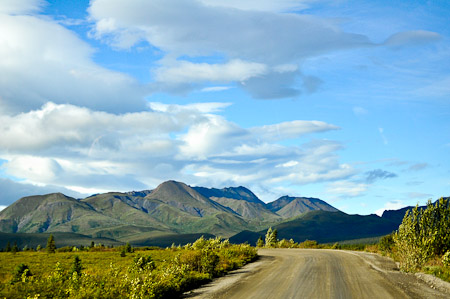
(346,101)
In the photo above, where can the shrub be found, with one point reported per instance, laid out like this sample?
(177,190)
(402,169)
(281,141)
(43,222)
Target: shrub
(386,244)
(308,244)
(446,259)
(21,272)
(423,233)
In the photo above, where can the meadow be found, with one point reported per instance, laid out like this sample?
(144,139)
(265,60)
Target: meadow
(122,272)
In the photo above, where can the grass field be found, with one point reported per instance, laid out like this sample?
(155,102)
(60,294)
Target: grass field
(106,273)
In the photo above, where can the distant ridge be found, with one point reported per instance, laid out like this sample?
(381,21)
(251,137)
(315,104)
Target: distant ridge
(177,212)
(288,207)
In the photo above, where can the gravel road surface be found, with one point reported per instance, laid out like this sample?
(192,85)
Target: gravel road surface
(320,273)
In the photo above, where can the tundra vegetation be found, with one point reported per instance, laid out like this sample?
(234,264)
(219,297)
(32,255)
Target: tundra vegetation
(123,272)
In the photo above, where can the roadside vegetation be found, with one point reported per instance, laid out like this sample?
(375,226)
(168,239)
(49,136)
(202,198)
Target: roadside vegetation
(421,243)
(122,272)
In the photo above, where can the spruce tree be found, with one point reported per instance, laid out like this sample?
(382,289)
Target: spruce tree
(260,242)
(51,247)
(15,248)
(76,265)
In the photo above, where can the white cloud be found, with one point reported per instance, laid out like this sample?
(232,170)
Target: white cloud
(262,5)
(291,129)
(188,72)
(251,43)
(42,61)
(20,6)
(391,205)
(70,127)
(215,88)
(65,145)
(346,189)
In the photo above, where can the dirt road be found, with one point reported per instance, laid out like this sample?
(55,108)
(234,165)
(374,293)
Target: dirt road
(310,273)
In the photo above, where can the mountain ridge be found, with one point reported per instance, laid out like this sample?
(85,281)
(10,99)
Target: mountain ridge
(176,210)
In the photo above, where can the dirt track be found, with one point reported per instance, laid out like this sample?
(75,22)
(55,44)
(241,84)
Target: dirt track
(310,273)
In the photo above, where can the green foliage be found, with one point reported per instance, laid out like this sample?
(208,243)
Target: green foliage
(15,248)
(308,244)
(336,246)
(441,272)
(128,248)
(386,244)
(423,233)
(271,237)
(123,253)
(51,246)
(21,273)
(446,259)
(260,242)
(8,247)
(76,265)
(158,274)
(142,263)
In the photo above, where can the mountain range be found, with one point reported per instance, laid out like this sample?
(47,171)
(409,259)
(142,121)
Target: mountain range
(177,213)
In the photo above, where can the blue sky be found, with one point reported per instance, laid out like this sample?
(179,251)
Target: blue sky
(347,101)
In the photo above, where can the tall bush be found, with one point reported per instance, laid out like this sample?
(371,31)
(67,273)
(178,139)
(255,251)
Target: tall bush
(423,233)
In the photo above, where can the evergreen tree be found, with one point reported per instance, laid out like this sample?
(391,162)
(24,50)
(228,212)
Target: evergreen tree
(15,248)
(128,247)
(8,247)
(51,246)
(76,265)
(271,237)
(260,242)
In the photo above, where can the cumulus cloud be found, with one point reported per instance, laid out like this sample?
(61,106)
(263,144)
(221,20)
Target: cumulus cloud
(82,149)
(254,44)
(379,174)
(42,61)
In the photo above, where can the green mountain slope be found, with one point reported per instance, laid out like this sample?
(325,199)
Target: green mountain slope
(177,211)
(52,212)
(243,202)
(324,226)
(288,207)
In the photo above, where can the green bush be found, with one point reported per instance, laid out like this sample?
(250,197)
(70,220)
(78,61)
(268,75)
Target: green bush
(308,244)
(446,259)
(21,272)
(386,244)
(163,274)
(423,233)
